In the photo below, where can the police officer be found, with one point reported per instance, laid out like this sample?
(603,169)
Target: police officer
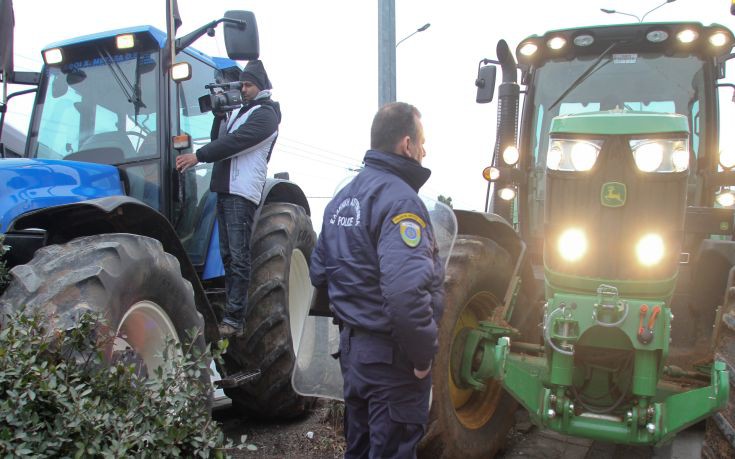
(377,257)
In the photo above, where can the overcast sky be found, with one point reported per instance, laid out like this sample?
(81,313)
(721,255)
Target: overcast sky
(322,59)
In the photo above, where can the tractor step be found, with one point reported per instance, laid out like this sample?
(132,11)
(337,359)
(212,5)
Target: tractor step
(238,379)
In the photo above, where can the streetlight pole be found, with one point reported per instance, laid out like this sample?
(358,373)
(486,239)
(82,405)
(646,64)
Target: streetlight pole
(420,29)
(386,52)
(640,19)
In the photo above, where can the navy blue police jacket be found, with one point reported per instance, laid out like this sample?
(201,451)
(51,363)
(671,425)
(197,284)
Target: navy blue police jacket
(378,257)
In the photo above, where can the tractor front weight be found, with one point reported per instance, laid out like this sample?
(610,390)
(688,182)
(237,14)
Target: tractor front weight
(597,375)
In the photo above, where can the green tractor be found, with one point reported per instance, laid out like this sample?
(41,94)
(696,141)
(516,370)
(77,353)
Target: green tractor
(600,293)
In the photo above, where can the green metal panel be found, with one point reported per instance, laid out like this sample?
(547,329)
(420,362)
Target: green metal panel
(661,290)
(619,122)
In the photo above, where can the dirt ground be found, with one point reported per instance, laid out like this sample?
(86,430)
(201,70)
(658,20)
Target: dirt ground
(318,434)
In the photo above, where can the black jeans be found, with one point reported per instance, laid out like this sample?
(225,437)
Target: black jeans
(235,219)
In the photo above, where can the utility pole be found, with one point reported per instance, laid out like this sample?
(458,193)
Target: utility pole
(386,52)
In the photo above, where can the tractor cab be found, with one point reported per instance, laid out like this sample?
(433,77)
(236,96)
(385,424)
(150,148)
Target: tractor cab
(640,75)
(105,99)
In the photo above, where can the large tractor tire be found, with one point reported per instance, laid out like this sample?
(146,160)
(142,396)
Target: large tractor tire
(279,300)
(719,439)
(463,422)
(125,278)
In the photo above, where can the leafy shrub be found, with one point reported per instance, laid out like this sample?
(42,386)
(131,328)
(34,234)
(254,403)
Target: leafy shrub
(59,397)
(3,270)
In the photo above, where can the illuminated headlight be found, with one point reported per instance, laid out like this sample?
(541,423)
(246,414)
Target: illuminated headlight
(718,39)
(664,155)
(52,56)
(727,158)
(557,43)
(572,155)
(687,36)
(529,49)
(650,249)
(125,41)
(510,155)
(572,244)
(726,199)
(507,193)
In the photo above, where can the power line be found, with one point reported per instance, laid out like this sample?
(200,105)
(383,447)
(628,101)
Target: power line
(319,149)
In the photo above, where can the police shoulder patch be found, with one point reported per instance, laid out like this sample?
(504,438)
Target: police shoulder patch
(410,233)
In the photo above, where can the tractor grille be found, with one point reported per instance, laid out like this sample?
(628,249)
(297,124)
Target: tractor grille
(654,203)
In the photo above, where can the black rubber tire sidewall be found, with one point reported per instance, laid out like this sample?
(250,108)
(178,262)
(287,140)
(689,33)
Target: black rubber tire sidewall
(477,265)
(105,274)
(267,343)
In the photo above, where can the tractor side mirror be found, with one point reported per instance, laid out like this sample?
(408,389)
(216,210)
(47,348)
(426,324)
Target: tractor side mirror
(241,37)
(485,83)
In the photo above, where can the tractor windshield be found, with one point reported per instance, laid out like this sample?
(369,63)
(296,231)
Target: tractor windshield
(623,82)
(101,109)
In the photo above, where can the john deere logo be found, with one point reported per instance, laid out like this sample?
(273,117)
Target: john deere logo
(613,194)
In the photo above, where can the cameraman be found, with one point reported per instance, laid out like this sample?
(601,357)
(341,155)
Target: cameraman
(241,147)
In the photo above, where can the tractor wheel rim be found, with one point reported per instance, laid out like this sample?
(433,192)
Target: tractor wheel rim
(473,408)
(299,296)
(146,329)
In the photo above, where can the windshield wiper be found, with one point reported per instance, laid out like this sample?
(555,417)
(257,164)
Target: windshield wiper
(127,88)
(589,71)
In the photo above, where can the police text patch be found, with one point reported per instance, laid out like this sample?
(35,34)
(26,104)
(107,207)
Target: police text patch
(408,216)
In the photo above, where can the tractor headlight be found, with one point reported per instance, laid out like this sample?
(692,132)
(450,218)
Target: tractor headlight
(727,158)
(572,244)
(572,155)
(650,249)
(665,155)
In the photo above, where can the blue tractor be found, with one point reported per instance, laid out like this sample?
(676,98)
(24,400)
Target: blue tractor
(98,219)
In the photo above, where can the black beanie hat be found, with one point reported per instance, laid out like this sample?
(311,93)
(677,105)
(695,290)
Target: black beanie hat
(254,72)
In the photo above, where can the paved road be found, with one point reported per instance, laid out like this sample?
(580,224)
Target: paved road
(529,442)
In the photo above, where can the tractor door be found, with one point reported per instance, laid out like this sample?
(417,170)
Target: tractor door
(193,205)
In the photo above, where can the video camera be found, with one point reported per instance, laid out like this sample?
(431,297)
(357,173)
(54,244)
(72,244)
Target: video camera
(222,97)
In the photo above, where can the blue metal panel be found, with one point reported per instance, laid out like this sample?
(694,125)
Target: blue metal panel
(155,33)
(29,184)
(213,265)
(217,62)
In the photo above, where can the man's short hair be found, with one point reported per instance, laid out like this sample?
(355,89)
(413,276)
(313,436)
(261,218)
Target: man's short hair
(392,123)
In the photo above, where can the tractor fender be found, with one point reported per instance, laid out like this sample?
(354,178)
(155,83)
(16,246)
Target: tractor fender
(497,229)
(118,214)
(274,190)
(491,226)
(278,190)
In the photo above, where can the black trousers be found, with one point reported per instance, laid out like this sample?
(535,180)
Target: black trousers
(386,405)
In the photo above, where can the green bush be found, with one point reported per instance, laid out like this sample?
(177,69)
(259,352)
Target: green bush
(60,398)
